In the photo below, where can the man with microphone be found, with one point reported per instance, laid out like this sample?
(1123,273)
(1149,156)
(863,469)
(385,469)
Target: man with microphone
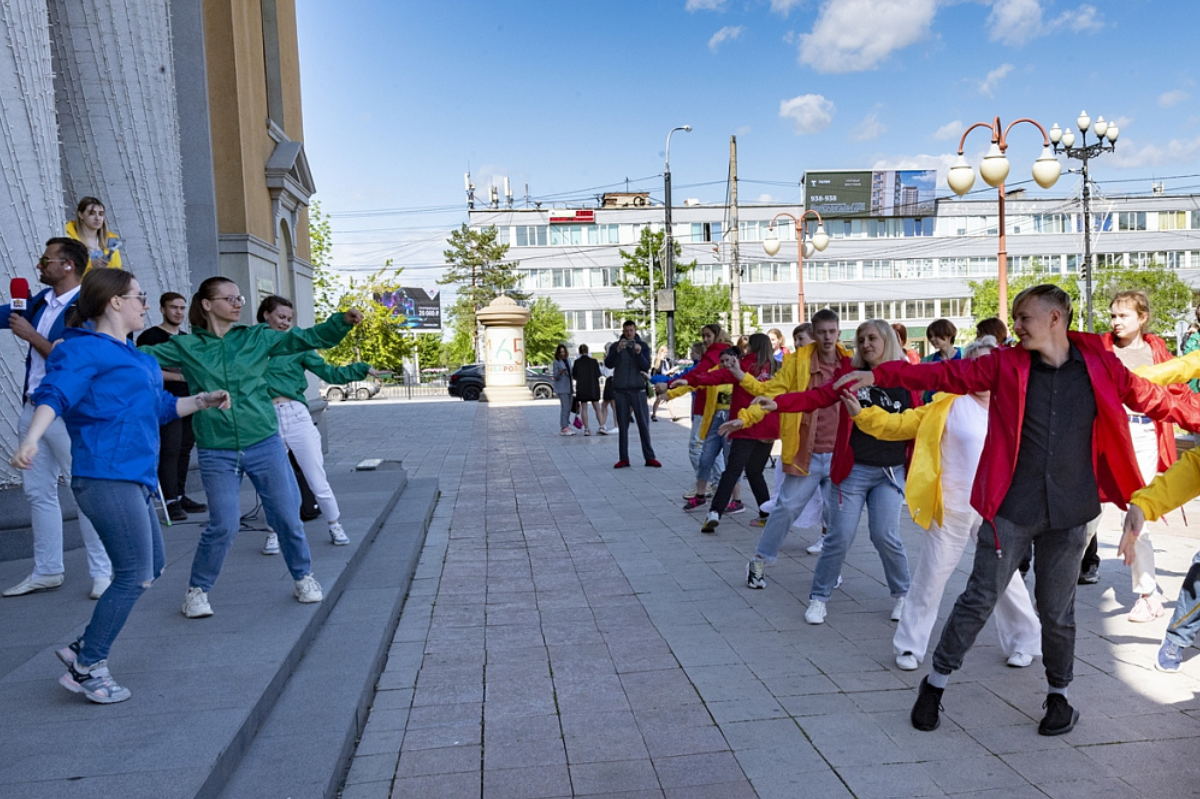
(40,323)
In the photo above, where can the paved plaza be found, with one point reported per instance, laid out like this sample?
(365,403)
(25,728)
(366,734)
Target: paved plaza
(570,632)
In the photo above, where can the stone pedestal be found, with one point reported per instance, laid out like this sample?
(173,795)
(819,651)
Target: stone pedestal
(504,351)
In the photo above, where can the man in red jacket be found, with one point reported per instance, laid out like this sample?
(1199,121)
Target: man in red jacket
(1057,402)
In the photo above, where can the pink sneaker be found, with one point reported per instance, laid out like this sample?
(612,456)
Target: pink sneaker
(1147,608)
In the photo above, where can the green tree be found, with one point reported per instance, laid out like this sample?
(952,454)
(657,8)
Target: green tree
(1170,298)
(429,350)
(545,331)
(635,277)
(461,347)
(477,267)
(378,340)
(985,294)
(327,288)
(695,307)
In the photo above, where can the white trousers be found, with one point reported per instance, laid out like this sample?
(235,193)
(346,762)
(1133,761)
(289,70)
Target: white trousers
(1016,621)
(302,438)
(1145,448)
(40,484)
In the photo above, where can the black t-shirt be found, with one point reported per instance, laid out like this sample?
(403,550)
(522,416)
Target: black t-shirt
(868,450)
(156,335)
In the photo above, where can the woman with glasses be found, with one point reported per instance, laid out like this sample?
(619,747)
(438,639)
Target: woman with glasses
(111,398)
(221,354)
(90,227)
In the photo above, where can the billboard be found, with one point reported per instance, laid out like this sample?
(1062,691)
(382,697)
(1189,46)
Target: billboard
(416,309)
(865,193)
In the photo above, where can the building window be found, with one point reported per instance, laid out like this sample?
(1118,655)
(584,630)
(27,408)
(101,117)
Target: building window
(531,236)
(1131,220)
(956,306)
(775,315)
(1049,223)
(1172,220)
(877,270)
(707,274)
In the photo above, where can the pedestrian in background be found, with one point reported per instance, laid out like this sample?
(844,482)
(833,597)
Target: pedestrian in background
(629,359)
(560,372)
(586,372)
(902,334)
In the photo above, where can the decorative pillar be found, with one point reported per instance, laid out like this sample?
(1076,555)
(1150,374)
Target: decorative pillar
(504,351)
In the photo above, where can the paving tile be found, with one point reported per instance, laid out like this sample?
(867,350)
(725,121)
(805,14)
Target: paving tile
(541,782)
(613,777)
(702,769)
(448,760)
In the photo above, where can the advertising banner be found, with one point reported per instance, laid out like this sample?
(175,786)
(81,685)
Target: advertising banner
(416,309)
(847,194)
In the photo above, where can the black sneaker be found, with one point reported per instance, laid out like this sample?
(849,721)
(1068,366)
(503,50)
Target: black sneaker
(1060,716)
(924,714)
(1090,576)
(190,505)
(175,513)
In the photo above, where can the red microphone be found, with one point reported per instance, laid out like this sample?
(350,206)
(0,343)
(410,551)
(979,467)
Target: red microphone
(18,289)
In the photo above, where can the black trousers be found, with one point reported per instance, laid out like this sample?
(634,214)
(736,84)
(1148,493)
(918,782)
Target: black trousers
(175,442)
(748,455)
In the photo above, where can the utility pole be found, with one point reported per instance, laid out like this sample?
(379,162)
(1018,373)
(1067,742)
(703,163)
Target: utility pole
(669,272)
(653,316)
(735,268)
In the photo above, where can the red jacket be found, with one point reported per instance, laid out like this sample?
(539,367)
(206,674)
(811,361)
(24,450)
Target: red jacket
(710,360)
(1165,433)
(825,396)
(768,430)
(1005,372)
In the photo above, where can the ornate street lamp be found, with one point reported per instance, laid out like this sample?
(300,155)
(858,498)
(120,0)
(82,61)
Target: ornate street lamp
(1106,142)
(994,170)
(817,242)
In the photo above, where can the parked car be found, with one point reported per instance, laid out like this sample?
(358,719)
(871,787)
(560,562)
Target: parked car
(468,383)
(359,389)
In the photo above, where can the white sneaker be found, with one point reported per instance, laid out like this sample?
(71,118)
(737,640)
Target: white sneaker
(337,535)
(711,522)
(816,612)
(897,609)
(99,586)
(195,603)
(1019,660)
(816,548)
(271,546)
(308,589)
(907,662)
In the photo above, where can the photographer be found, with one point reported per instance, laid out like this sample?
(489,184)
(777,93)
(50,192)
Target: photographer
(628,359)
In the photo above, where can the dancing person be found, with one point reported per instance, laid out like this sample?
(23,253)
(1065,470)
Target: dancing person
(948,438)
(90,228)
(111,399)
(940,334)
(1056,403)
(708,450)
(1191,343)
(660,370)
(778,347)
(748,451)
(902,334)
(286,385)
(867,471)
(993,326)
(175,439)
(243,440)
(629,358)
(587,387)
(560,372)
(42,323)
(1153,445)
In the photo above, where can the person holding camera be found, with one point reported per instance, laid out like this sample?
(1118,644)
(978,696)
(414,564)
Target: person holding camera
(628,359)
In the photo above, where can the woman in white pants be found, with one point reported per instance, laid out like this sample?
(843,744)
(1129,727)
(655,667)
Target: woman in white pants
(286,384)
(949,435)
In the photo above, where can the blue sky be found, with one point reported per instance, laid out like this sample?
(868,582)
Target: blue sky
(571,99)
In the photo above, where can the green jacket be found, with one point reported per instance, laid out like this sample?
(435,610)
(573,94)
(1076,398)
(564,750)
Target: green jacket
(285,374)
(237,363)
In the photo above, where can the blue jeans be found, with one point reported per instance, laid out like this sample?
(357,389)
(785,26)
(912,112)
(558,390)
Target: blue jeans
(127,524)
(881,490)
(793,497)
(1186,621)
(266,464)
(1056,570)
(694,442)
(714,450)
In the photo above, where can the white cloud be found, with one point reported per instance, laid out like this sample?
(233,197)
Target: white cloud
(1015,22)
(1121,122)
(1178,152)
(1173,97)
(705,5)
(810,113)
(869,129)
(951,130)
(941,163)
(1018,22)
(988,85)
(766,198)
(1085,19)
(856,35)
(785,6)
(728,32)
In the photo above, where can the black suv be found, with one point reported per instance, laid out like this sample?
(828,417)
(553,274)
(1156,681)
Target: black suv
(468,383)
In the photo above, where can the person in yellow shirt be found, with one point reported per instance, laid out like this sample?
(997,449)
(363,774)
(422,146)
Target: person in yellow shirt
(90,226)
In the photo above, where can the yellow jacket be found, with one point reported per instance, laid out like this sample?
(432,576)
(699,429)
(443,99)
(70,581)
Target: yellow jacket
(1175,486)
(793,375)
(112,249)
(710,401)
(926,424)
(1176,370)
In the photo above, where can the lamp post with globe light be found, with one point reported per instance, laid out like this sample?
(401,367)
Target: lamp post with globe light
(1106,142)
(994,170)
(817,242)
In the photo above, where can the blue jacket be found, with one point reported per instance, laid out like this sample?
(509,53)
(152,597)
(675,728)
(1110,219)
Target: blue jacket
(35,307)
(112,400)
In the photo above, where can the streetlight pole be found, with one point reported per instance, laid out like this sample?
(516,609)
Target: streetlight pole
(669,272)
(994,170)
(1064,142)
(815,243)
